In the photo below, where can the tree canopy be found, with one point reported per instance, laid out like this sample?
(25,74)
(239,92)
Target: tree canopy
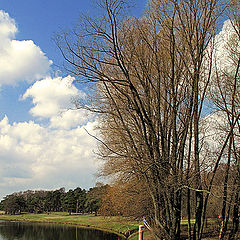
(39,201)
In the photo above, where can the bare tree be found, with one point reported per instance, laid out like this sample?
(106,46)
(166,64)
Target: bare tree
(151,76)
(225,95)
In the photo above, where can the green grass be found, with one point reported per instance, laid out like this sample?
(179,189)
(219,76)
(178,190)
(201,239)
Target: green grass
(209,220)
(120,225)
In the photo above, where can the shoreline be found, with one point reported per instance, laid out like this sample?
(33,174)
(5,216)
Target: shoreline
(116,225)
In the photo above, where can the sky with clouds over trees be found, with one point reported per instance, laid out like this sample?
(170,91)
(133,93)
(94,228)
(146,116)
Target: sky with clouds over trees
(43,141)
(53,149)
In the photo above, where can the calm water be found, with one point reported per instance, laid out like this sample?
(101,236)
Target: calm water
(34,231)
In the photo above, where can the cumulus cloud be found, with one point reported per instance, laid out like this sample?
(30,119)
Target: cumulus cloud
(71,118)
(8,27)
(19,60)
(53,98)
(226,42)
(33,156)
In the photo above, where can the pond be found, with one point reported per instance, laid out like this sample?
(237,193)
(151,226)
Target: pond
(39,231)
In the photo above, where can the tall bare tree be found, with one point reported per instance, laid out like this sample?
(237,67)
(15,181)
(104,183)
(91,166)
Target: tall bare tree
(151,76)
(225,95)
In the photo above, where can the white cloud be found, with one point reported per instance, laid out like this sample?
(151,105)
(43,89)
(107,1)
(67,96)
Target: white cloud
(8,27)
(19,60)
(32,156)
(71,118)
(226,41)
(53,98)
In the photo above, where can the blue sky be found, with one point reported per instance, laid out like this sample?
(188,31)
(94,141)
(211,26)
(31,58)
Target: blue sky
(42,145)
(38,21)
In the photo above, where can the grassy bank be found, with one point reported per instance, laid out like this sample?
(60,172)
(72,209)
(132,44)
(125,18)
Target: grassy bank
(120,225)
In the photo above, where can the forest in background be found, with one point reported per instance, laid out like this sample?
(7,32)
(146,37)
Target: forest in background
(126,199)
(43,201)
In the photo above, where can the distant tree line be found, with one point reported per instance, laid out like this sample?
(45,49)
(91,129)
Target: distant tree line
(129,199)
(39,201)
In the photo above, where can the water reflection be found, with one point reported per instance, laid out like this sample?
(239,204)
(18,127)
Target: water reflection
(32,231)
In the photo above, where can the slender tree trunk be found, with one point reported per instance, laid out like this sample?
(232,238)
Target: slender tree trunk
(198,194)
(225,194)
(188,190)
(235,221)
